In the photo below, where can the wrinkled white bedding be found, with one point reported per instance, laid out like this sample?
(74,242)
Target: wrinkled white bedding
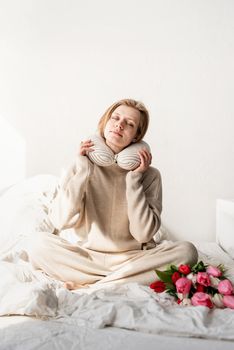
(130,306)
(24,291)
(23,333)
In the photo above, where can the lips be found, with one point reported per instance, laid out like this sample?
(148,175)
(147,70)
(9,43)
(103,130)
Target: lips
(117,133)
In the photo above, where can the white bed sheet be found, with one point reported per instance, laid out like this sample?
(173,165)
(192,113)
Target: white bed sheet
(24,333)
(93,318)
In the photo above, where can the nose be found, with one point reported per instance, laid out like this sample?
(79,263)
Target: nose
(119,124)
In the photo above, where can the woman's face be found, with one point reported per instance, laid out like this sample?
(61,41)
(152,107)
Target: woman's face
(122,127)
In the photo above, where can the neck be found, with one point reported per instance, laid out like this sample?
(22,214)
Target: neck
(113,147)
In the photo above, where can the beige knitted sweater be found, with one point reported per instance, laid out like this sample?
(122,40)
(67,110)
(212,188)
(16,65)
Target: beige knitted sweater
(111,209)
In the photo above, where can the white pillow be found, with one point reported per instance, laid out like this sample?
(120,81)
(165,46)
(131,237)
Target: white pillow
(24,209)
(127,159)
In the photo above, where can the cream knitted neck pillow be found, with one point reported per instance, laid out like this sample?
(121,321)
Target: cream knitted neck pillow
(127,159)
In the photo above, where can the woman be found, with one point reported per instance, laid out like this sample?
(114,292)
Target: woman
(114,212)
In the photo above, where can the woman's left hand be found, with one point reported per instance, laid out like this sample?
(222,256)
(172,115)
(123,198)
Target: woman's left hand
(146,158)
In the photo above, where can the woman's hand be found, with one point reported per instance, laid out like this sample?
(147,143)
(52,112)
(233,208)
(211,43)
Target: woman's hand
(86,147)
(146,158)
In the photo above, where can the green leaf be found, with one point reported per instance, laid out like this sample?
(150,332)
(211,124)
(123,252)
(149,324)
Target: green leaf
(199,267)
(165,276)
(222,268)
(172,293)
(174,268)
(168,268)
(170,286)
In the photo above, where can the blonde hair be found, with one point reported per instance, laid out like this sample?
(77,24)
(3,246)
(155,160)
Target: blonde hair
(139,106)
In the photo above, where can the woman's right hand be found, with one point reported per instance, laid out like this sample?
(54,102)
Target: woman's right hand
(86,147)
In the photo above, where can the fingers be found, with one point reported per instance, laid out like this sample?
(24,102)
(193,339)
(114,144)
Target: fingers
(86,147)
(146,157)
(145,160)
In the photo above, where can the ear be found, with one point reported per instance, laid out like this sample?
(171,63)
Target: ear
(129,159)
(102,154)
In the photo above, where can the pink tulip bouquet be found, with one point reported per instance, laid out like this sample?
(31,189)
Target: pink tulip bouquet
(197,285)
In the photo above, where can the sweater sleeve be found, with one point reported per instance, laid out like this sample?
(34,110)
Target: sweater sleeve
(144,198)
(68,202)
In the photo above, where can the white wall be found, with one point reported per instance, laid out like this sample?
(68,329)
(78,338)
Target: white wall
(62,63)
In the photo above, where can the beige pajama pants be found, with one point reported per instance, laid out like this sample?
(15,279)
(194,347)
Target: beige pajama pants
(68,262)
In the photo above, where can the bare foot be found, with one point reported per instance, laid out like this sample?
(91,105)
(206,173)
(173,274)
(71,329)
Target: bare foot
(72,285)
(69,285)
